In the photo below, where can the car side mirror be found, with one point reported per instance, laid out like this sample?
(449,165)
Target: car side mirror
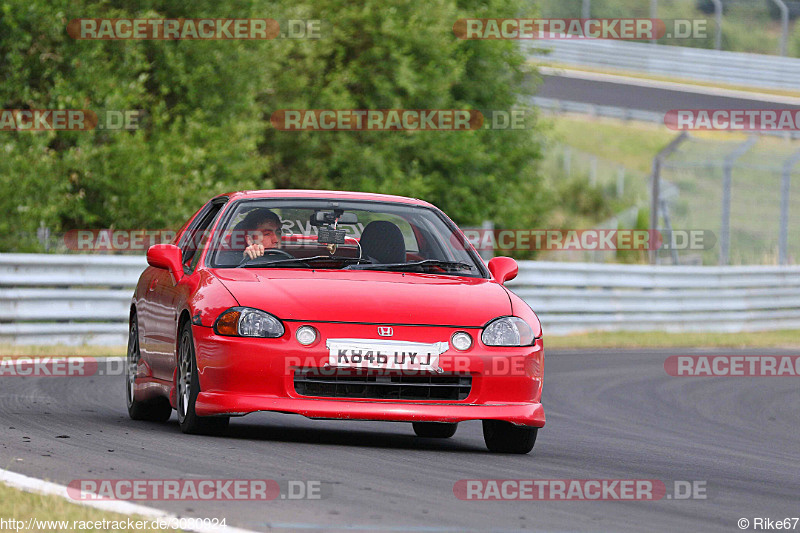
(503,268)
(167,256)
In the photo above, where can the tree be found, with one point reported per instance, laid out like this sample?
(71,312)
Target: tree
(404,57)
(207,104)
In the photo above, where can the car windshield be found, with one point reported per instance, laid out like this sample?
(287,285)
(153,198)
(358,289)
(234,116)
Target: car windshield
(335,234)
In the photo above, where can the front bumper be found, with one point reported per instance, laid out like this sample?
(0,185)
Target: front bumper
(245,375)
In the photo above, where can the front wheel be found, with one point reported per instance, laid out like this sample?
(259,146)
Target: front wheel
(188,387)
(435,430)
(505,437)
(155,409)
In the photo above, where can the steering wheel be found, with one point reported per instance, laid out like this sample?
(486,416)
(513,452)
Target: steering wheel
(270,251)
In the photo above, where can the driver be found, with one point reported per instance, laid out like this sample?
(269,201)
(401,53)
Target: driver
(262,231)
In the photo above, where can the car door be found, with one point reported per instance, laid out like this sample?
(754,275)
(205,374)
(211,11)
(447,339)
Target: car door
(167,295)
(148,316)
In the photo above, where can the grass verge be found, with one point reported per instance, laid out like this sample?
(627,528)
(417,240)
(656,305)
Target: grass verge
(598,339)
(662,339)
(21,506)
(7,350)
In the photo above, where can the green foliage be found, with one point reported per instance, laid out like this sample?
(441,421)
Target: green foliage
(406,57)
(207,104)
(577,195)
(198,133)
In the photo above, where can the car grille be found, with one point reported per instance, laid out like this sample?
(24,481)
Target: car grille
(382,386)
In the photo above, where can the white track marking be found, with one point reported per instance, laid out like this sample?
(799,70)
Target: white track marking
(30,484)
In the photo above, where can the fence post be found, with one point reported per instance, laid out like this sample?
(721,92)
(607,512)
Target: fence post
(653,14)
(718,18)
(727,172)
(655,193)
(43,234)
(670,234)
(784,24)
(586,9)
(783,235)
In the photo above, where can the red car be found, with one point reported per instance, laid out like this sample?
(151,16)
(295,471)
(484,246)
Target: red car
(333,305)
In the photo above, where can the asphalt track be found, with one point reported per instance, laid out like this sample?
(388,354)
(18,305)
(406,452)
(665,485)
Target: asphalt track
(643,98)
(611,415)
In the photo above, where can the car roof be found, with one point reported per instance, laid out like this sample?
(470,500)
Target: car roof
(318,194)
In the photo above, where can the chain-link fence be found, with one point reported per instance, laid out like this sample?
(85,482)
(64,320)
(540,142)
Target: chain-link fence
(626,191)
(741,191)
(615,180)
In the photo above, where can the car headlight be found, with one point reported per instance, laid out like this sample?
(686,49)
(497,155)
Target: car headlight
(248,322)
(507,331)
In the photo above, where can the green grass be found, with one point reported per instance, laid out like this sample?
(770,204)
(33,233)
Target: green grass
(661,339)
(20,505)
(598,339)
(631,144)
(7,350)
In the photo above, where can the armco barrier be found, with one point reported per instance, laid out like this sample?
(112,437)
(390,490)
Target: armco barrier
(734,68)
(577,297)
(77,299)
(66,299)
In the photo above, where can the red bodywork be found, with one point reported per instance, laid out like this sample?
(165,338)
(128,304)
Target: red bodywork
(240,375)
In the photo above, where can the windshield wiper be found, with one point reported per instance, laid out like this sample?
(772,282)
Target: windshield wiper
(447,265)
(348,260)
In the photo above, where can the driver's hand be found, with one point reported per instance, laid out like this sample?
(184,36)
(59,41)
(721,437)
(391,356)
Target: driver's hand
(254,250)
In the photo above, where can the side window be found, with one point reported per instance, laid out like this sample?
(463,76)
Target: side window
(196,237)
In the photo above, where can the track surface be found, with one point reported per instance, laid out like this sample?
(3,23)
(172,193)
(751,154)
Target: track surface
(643,98)
(610,415)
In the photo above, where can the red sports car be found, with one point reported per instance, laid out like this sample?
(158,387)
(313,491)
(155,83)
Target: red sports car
(333,305)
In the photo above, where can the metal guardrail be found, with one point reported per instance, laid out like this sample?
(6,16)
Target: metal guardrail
(566,106)
(735,68)
(578,297)
(66,299)
(81,299)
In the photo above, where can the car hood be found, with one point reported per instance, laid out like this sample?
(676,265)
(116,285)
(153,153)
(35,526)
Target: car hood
(368,296)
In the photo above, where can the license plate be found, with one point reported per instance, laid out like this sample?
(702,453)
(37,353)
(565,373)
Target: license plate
(383,354)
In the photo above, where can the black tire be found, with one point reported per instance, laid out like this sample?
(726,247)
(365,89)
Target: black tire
(435,430)
(505,437)
(188,387)
(153,410)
